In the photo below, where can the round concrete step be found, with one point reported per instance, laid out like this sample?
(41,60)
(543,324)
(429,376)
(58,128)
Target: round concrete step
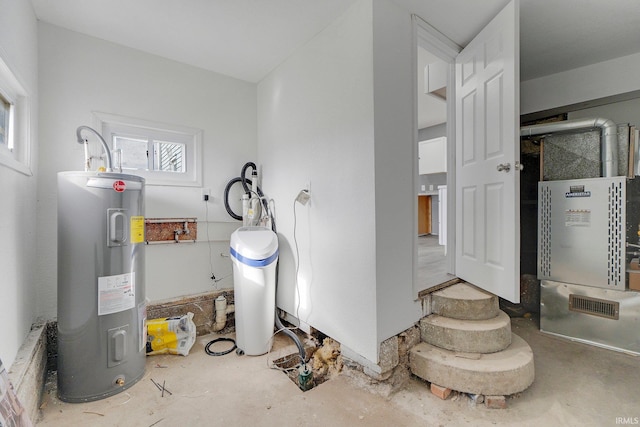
(467,336)
(503,373)
(464,301)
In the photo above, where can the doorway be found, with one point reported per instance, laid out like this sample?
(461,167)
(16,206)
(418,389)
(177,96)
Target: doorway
(432,169)
(434,127)
(483,168)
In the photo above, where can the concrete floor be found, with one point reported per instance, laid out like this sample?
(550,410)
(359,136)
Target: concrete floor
(575,385)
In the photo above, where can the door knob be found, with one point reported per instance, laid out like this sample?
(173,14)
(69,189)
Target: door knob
(504,167)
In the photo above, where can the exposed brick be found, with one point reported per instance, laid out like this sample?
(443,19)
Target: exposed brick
(495,402)
(406,340)
(441,392)
(202,306)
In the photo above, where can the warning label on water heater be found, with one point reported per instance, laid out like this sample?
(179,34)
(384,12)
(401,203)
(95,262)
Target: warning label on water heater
(116,293)
(577,218)
(137,229)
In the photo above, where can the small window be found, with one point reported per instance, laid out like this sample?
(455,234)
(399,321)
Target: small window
(162,154)
(14,122)
(169,156)
(134,152)
(5,114)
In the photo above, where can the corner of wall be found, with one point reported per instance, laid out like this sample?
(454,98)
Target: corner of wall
(29,370)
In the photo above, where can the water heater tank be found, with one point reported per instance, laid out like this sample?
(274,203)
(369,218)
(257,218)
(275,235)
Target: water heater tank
(101,291)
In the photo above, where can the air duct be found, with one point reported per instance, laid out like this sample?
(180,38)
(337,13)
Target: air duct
(609,138)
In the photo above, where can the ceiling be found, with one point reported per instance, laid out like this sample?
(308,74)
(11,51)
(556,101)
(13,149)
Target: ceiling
(247,39)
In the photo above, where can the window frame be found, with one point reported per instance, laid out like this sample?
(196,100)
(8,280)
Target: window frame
(129,127)
(16,153)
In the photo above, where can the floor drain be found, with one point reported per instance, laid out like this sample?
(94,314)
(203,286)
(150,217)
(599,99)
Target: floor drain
(289,365)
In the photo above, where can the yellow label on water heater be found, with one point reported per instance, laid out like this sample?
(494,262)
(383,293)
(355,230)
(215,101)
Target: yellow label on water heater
(137,229)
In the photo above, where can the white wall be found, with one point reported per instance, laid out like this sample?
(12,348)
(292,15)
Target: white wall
(81,74)
(338,115)
(395,169)
(315,124)
(18,49)
(601,80)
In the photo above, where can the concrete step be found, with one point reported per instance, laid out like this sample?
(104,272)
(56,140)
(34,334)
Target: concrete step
(502,373)
(467,336)
(464,301)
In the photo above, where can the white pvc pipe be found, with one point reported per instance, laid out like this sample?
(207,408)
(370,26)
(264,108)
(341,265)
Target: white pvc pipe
(222,309)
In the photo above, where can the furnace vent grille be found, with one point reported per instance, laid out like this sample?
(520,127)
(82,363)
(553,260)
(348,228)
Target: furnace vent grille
(544,238)
(594,306)
(616,235)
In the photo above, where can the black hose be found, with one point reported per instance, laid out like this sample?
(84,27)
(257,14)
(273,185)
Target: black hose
(226,199)
(246,183)
(293,336)
(281,327)
(219,353)
(243,175)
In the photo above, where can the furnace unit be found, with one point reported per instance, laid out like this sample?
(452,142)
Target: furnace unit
(587,240)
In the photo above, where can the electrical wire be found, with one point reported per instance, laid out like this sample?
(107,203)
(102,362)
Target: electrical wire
(290,357)
(206,218)
(218,279)
(295,241)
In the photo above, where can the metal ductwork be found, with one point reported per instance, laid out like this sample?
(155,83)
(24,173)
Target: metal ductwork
(609,138)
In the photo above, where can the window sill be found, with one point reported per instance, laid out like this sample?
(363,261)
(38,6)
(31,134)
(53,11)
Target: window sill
(7,160)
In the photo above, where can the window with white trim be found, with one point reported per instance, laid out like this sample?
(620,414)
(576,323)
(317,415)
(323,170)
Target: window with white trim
(15,111)
(6,112)
(163,154)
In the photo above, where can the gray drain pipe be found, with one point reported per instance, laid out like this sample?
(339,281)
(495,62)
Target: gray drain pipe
(609,138)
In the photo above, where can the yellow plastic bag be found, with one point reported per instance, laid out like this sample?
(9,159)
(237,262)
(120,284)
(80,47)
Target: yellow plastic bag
(171,335)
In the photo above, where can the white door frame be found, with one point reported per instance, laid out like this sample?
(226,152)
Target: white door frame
(488,261)
(427,37)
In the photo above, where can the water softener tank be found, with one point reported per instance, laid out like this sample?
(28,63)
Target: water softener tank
(101,290)
(254,252)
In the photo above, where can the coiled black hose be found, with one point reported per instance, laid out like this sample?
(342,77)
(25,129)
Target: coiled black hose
(226,199)
(246,185)
(207,348)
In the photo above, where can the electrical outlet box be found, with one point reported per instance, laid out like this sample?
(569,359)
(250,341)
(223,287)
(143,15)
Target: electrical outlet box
(206,194)
(303,197)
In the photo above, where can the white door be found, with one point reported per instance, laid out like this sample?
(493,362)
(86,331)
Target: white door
(487,158)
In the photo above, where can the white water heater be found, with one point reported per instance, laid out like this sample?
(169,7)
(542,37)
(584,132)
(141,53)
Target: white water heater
(101,287)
